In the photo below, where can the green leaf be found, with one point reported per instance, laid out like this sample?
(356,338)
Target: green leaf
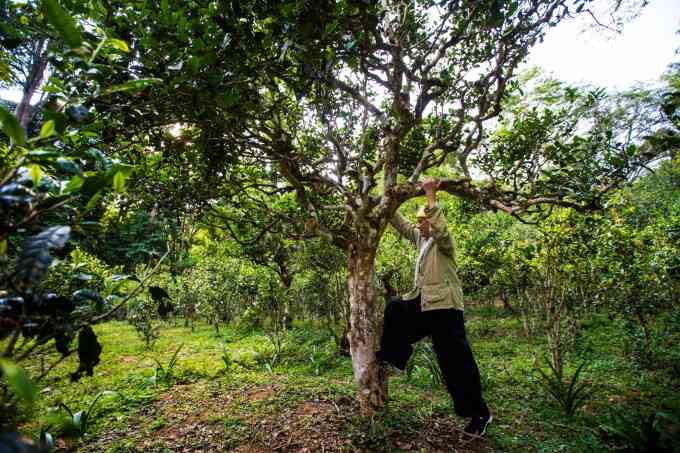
(132,85)
(62,21)
(229,98)
(78,420)
(194,64)
(126,169)
(74,184)
(94,184)
(47,129)
(119,181)
(119,44)
(60,119)
(93,201)
(42,154)
(68,165)
(18,381)
(36,174)
(10,126)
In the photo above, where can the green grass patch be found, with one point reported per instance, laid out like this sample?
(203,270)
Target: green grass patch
(263,388)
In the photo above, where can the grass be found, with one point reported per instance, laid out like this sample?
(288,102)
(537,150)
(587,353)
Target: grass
(305,398)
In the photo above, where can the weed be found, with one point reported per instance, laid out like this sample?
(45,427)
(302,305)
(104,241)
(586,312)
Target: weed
(320,360)
(644,432)
(236,431)
(166,374)
(226,358)
(157,424)
(80,422)
(569,393)
(424,358)
(123,446)
(267,358)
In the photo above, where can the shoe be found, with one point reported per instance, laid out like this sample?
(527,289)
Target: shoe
(479,422)
(390,369)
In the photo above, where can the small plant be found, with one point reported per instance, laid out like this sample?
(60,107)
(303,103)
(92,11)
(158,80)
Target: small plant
(145,328)
(570,393)
(425,358)
(268,367)
(432,364)
(166,374)
(16,387)
(268,357)
(643,432)
(277,339)
(80,422)
(315,360)
(226,358)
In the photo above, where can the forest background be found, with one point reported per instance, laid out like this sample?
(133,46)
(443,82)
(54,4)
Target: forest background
(199,205)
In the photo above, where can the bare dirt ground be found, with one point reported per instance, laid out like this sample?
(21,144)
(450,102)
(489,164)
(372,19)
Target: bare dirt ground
(262,419)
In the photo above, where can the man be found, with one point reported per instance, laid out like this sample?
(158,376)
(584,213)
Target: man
(435,308)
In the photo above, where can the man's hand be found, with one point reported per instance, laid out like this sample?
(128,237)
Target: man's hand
(430,186)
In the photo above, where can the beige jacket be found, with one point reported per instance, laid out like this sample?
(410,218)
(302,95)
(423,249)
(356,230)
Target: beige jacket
(437,280)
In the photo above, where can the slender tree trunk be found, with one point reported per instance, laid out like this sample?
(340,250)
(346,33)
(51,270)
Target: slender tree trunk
(645,329)
(34,80)
(368,374)
(505,298)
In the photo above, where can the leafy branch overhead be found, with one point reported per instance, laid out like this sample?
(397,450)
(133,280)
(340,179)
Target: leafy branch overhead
(55,181)
(348,125)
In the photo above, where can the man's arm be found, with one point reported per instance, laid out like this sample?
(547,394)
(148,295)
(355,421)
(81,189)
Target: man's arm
(430,186)
(404,227)
(438,224)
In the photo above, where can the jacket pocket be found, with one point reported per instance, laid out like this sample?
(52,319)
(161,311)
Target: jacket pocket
(435,292)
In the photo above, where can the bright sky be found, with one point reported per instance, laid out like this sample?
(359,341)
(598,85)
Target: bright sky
(641,53)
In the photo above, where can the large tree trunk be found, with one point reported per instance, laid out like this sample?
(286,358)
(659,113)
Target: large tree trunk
(369,375)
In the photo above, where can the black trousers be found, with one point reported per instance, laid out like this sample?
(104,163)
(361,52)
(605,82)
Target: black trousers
(406,324)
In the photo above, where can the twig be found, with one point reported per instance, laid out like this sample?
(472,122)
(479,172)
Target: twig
(600,24)
(472,436)
(12,173)
(12,341)
(35,345)
(51,367)
(35,213)
(133,293)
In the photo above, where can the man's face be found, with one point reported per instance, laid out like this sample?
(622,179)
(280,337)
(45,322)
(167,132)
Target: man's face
(424,227)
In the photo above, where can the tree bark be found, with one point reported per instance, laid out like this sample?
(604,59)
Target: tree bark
(36,75)
(369,375)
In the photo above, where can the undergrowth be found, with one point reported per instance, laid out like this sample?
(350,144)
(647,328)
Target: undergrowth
(241,378)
